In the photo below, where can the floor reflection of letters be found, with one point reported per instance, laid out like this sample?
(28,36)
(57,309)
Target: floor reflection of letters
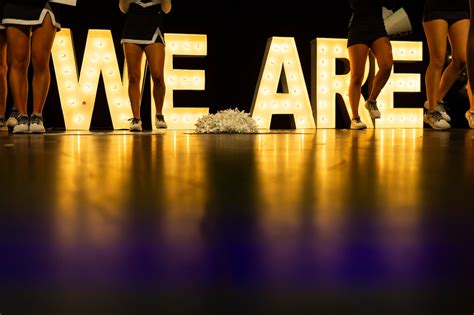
(317,219)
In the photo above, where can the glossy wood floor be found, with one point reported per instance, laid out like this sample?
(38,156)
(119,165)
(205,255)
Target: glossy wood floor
(303,222)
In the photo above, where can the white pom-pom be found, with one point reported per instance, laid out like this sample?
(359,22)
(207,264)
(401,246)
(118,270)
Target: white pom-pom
(227,121)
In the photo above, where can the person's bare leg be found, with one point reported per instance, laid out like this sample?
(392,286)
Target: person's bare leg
(357,58)
(41,44)
(470,54)
(457,35)
(470,68)
(18,41)
(3,73)
(382,50)
(155,55)
(436,32)
(133,57)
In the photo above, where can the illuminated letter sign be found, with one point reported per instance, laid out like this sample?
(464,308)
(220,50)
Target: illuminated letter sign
(280,67)
(327,84)
(401,82)
(77,94)
(281,63)
(186,45)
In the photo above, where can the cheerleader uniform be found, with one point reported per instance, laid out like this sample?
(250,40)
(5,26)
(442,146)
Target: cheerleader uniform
(366,24)
(28,12)
(143,23)
(448,10)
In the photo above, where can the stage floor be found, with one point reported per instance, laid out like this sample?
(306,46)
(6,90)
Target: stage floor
(282,222)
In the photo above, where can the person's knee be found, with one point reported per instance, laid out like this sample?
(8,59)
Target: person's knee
(19,62)
(385,67)
(157,79)
(40,62)
(357,79)
(437,62)
(134,77)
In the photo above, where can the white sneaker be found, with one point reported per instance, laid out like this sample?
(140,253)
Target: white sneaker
(372,108)
(160,122)
(357,124)
(13,119)
(36,123)
(436,121)
(136,124)
(470,118)
(23,124)
(440,107)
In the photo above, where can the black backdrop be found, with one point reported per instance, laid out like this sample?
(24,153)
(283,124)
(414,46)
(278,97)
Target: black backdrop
(237,34)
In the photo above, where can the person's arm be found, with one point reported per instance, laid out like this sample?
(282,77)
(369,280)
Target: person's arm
(166,6)
(123,5)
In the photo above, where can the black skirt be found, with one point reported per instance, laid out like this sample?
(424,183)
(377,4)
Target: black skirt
(143,24)
(27,12)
